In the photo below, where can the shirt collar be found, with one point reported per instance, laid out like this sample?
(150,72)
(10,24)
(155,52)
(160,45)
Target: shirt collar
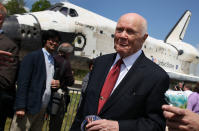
(49,56)
(130,60)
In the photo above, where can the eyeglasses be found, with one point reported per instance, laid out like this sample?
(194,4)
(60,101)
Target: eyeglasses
(54,42)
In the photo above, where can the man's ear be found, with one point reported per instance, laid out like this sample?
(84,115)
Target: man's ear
(145,36)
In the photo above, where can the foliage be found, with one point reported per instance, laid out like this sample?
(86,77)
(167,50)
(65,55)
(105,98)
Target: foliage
(15,7)
(40,5)
(79,74)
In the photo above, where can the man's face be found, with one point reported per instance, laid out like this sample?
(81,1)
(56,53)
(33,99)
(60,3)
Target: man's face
(1,20)
(51,45)
(180,85)
(128,36)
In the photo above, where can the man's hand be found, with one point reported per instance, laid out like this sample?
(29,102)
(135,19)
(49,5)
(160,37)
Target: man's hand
(5,57)
(102,125)
(55,83)
(180,119)
(5,53)
(20,113)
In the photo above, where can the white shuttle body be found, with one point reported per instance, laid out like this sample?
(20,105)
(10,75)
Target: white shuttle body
(92,35)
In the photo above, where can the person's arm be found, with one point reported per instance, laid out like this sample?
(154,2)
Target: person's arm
(180,119)
(5,53)
(4,56)
(192,101)
(85,82)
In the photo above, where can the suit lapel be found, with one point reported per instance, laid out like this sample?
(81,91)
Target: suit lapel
(121,88)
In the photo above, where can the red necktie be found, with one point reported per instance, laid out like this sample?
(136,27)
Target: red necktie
(109,84)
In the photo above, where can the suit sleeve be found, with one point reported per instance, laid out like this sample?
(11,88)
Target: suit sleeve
(154,120)
(23,82)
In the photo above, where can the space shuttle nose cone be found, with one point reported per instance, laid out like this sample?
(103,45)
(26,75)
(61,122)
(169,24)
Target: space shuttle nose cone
(11,28)
(23,31)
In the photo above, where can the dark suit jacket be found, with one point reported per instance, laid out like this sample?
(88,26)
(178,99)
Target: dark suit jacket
(136,102)
(8,73)
(31,82)
(63,72)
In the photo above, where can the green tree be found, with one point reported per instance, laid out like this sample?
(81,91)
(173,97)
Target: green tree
(40,5)
(15,7)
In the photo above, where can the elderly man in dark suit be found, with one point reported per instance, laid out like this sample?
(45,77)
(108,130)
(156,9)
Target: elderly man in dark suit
(34,85)
(125,89)
(8,70)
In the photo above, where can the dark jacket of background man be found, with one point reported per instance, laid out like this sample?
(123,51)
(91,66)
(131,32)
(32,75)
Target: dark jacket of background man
(63,72)
(33,75)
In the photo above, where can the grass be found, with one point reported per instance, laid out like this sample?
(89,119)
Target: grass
(8,122)
(79,74)
(71,112)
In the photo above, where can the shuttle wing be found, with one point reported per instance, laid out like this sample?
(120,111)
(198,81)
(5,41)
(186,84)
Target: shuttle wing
(182,77)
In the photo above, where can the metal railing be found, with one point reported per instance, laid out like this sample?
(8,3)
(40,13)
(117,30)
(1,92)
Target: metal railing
(75,94)
(72,107)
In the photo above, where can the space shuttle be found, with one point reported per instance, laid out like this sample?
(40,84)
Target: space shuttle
(92,35)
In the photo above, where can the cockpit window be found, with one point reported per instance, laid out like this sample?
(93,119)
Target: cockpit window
(73,13)
(56,7)
(64,11)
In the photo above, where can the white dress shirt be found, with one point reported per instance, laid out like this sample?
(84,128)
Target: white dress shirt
(49,62)
(126,66)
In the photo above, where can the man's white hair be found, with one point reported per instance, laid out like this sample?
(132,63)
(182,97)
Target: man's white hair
(65,49)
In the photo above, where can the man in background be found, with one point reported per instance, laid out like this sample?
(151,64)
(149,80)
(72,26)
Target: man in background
(34,85)
(8,72)
(85,81)
(187,88)
(60,97)
(179,86)
(86,78)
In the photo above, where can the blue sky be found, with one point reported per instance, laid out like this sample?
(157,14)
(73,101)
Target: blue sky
(161,15)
